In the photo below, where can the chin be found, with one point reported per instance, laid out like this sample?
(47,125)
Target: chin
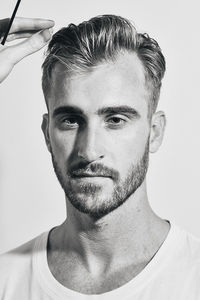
(96,206)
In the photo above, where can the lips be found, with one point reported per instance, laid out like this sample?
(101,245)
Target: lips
(81,175)
(92,171)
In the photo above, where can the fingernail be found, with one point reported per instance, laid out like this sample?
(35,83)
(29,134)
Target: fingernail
(53,23)
(51,30)
(47,34)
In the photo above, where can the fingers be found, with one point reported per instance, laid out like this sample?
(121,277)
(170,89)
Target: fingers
(22,28)
(34,43)
(20,35)
(27,24)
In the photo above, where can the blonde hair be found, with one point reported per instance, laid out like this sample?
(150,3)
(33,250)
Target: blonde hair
(81,47)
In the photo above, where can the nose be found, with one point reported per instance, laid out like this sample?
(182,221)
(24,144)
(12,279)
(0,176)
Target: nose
(90,144)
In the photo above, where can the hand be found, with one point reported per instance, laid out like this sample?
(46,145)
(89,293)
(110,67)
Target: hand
(37,33)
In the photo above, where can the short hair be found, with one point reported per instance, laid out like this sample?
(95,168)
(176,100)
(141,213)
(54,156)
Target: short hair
(101,39)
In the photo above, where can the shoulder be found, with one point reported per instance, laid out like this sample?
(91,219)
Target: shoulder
(188,252)
(17,260)
(188,263)
(191,245)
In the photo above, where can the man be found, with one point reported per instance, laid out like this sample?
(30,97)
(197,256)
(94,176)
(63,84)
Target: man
(101,82)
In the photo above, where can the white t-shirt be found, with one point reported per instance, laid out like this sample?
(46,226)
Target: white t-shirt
(172,274)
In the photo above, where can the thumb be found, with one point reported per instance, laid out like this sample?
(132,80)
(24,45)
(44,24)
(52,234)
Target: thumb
(29,46)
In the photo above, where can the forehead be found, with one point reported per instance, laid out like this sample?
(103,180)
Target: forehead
(121,82)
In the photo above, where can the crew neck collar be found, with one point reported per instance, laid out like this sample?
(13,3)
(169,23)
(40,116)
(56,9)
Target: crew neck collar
(58,291)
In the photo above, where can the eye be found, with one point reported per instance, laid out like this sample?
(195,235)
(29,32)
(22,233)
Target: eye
(69,122)
(116,122)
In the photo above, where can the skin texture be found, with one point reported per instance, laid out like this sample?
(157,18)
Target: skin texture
(90,142)
(101,251)
(35,32)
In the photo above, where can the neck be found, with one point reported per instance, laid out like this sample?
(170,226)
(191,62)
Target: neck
(130,233)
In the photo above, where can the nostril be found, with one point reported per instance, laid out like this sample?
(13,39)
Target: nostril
(89,156)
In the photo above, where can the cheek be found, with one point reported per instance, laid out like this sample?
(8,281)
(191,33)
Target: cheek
(130,147)
(62,144)
(132,143)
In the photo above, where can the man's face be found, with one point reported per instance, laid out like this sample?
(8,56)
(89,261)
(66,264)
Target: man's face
(98,134)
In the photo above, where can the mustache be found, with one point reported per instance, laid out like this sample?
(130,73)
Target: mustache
(96,170)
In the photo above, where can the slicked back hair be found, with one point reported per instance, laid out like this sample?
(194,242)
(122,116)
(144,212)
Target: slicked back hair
(101,39)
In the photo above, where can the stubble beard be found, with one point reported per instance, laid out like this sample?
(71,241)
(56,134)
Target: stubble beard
(122,190)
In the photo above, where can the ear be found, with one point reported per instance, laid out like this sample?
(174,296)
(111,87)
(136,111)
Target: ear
(158,124)
(45,129)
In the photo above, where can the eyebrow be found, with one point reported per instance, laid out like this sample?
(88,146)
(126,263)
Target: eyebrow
(118,110)
(102,111)
(67,110)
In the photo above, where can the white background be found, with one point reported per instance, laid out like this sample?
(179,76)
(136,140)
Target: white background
(31,200)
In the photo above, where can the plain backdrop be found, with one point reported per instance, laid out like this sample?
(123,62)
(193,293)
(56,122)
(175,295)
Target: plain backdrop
(31,200)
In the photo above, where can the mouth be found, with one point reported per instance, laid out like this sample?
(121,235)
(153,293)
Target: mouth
(85,175)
